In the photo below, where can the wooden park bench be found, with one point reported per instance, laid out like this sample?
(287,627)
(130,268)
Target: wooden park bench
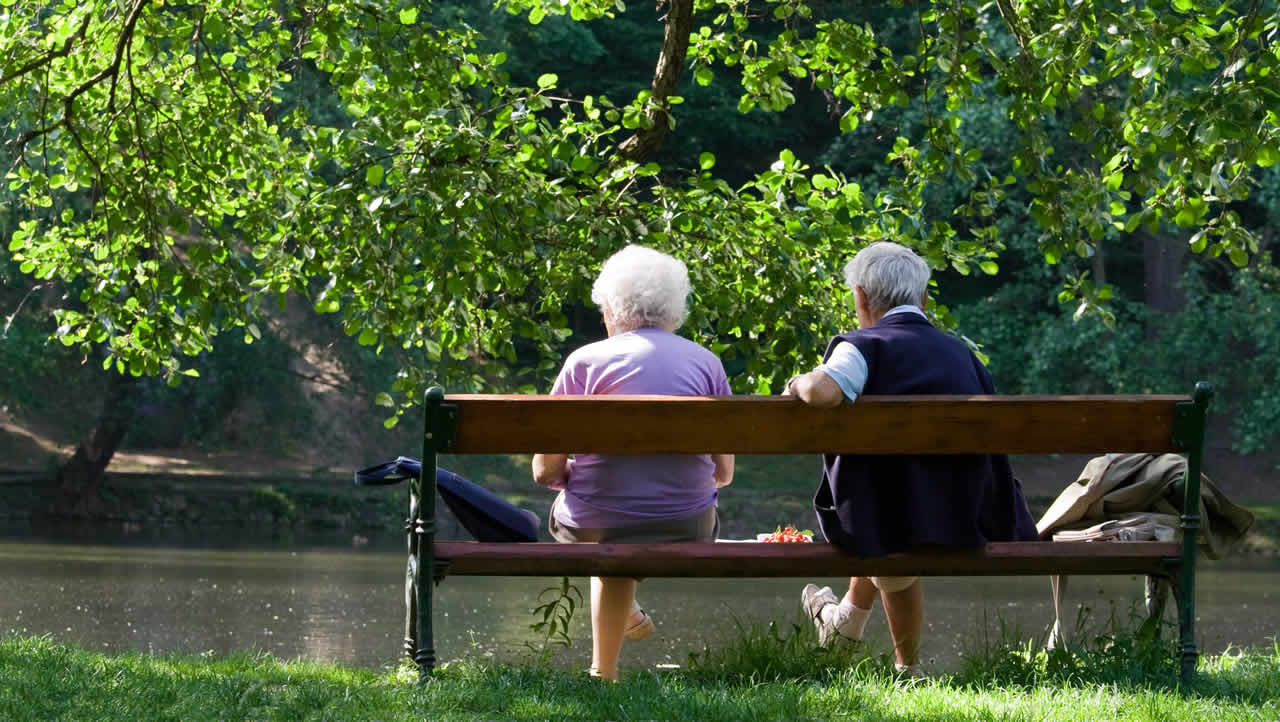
(522,424)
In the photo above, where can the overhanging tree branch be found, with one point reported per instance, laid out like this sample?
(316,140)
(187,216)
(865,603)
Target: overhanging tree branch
(666,79)
(68,103)
(50,56)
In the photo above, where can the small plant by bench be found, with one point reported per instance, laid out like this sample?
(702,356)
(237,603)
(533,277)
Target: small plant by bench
(516,424)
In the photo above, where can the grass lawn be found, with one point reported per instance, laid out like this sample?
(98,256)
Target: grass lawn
(761,677)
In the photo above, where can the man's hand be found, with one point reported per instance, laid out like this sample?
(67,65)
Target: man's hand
(815,389)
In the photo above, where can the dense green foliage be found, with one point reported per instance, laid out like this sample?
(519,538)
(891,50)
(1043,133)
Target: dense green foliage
(47,681)
(445,179)
(1227,334)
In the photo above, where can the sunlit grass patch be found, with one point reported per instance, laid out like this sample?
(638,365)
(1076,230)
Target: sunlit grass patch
(767,674)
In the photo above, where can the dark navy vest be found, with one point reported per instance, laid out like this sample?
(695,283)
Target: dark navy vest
(872,505)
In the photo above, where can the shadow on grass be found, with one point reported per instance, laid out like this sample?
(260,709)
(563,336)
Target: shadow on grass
(1116,654)
(1111,654)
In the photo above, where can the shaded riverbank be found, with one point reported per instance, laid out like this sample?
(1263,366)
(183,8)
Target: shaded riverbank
(164,507)
(313,599)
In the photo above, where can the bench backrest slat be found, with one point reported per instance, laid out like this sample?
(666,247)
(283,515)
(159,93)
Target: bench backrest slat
(616,424)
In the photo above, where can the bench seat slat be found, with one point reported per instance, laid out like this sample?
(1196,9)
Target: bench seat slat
(617,424)
(799,560)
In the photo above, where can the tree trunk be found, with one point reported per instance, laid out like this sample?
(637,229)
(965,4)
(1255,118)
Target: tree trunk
(77,488)
(1099,264)
(666,79)
(1162,263)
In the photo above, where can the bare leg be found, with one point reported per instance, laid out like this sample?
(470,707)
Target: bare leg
(905,611)
(611,602)
(862,592)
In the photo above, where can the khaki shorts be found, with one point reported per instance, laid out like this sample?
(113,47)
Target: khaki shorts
(893,584)
(701,527)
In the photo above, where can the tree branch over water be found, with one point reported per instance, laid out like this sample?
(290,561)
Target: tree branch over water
(112,71)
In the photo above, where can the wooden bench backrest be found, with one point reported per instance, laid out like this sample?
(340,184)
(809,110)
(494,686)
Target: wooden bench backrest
(616,424)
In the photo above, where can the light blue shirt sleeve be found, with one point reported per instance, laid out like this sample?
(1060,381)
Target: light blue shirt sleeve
(847,368)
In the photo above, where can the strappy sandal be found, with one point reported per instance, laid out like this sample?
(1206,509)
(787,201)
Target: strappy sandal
(642,628)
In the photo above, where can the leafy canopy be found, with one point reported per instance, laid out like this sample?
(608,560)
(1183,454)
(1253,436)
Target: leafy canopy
(178,165)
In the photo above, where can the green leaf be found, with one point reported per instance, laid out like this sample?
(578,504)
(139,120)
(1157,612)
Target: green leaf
(706,161)
(373,175)
(703,75)
(384,399)
(536,16)
(408,16)
(548,80)
(368,337)
(824,182)
(1268,155)
(1147,67)
(989,267)
(1239,257)
(849,121)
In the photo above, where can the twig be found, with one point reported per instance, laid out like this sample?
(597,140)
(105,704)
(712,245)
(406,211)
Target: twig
(9,321)
(61,52)
(68,103)
(226,80)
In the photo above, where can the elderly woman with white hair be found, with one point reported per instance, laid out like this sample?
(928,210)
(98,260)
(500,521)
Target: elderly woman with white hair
(875,505)
(641,294)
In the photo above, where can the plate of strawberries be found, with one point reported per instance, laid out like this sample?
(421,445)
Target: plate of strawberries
(787,534)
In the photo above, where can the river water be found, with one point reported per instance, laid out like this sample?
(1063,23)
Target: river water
(332,601)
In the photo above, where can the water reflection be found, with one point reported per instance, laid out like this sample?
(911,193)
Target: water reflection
(347,606)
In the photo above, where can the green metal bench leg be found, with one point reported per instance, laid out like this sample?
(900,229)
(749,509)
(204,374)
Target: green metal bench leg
(1190,428)
(422,513)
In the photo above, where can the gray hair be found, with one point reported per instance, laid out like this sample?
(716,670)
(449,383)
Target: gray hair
(890,274)
(643,287)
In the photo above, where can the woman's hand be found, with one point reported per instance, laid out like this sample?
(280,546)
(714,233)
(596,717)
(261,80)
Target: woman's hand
(552,470)
(723,473)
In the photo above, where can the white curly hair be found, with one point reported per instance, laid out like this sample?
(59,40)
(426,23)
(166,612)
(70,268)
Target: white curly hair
(642,287)
(890,274)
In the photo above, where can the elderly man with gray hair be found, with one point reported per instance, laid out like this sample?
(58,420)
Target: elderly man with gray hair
(873,505)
